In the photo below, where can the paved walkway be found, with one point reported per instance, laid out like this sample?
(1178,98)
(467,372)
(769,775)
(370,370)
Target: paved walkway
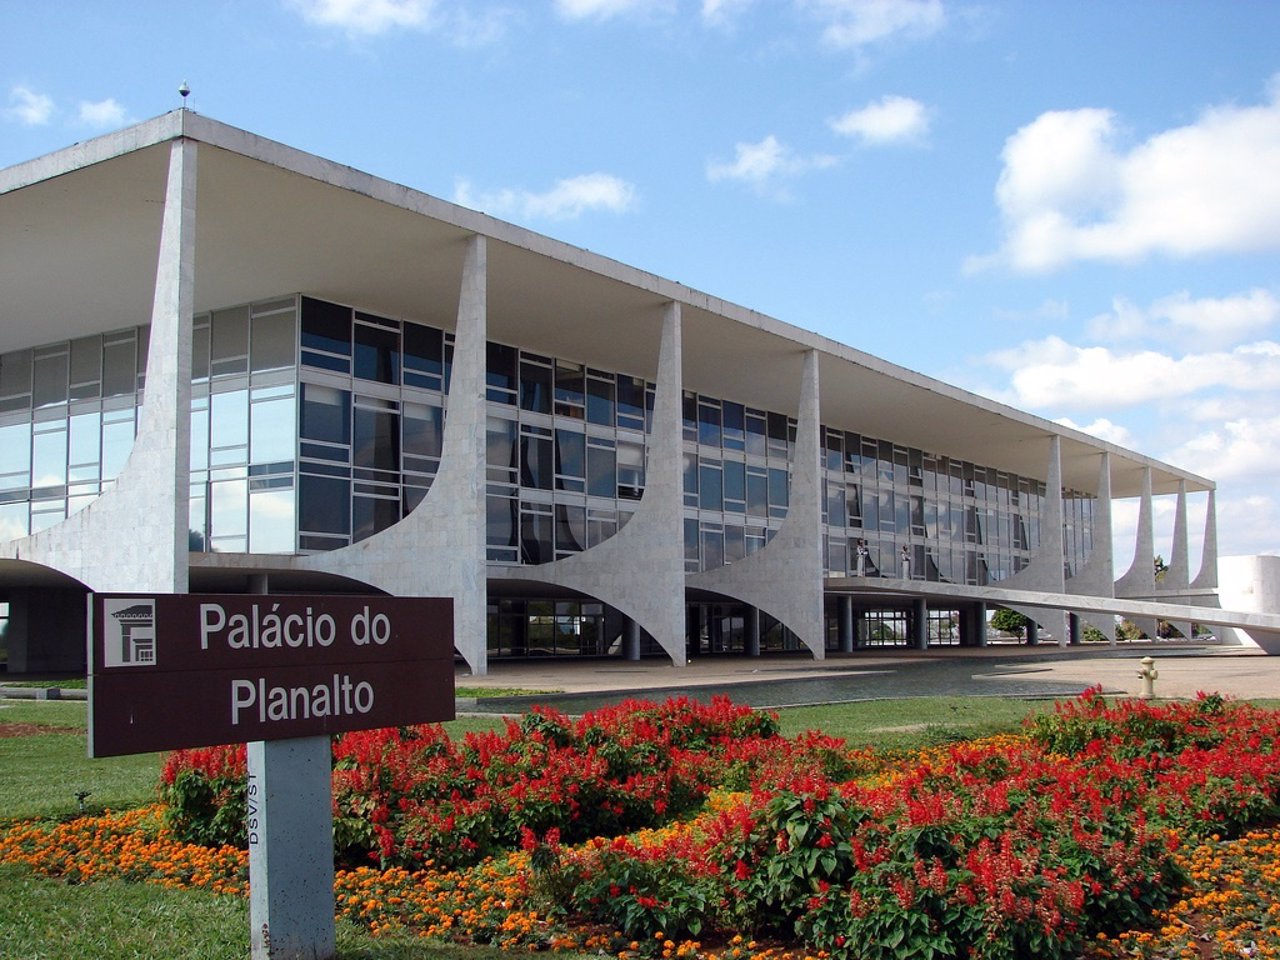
(998,670)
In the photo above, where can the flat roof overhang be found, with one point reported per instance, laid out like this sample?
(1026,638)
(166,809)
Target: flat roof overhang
(79,235)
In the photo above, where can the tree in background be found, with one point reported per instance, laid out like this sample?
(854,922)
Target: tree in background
(1009,621)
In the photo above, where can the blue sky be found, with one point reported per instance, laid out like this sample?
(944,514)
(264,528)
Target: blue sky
(1070,207)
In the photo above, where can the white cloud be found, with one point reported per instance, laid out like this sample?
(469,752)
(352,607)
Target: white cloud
(29,108)
(763,165)
(1053,374)
(102,113)
(369,17)
(720,12)
(567,200)
(1069,190)
(1200,322)
(1103,429)
(1234,450)
(1251,524)
(891,119)
(607,9)
(852,24)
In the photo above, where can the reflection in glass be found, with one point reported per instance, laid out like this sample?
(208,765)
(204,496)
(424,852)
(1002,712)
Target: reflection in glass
(50,379)
(324,504)
(15,457)
(228,510)
(49,455)
(271,430)
(271,519)
(117,441)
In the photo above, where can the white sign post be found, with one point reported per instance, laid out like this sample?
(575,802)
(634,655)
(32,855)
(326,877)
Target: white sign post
(290,825)
(283,673)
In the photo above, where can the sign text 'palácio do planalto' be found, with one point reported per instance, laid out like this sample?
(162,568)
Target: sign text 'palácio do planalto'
(186,670)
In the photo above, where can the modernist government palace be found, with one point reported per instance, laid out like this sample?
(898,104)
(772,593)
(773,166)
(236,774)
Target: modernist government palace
(230,366)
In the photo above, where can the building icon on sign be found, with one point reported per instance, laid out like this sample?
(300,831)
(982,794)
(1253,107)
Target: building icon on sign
(129,633)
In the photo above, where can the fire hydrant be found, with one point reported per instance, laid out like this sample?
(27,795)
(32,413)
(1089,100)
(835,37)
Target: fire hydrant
(1148,675)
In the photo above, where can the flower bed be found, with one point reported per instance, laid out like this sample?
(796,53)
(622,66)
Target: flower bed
(1099,831)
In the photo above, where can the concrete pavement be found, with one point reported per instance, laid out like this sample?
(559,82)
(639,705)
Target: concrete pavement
(997,670)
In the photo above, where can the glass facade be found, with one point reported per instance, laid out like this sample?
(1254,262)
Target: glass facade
(316,425)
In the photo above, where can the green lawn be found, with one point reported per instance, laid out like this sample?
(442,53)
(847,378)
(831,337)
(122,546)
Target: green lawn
(44,919)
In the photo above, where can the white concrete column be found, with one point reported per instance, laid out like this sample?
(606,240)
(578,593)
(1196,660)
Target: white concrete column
(1207,578)
(1177,575)
(438,550)
(1139,582)
(785,578)
(1097,577)
(640,570)
(150,495)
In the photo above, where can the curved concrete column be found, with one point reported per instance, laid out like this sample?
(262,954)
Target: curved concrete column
(1177,576)
(1097,577)
(1046,571)
(1207,578)
(1139,582)
(640,570)
(134,536)
(785,578)
(438,549)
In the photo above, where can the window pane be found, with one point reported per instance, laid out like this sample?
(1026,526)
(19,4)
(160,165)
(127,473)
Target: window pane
(424,351)
(119,366)
(570,389)
(500,524)
(535,387)
(377,354)
(571,528)
(376,443)
(324,504)
(600,400)
(326,326)
(602,472)
(272,431)
(326,414)
(50,379)
(535,537)
(631,402)
(230,341)
(272,346)
(85,445)
(15,380)
(49,457)
(710,489)
(228,509)
(370,515)
(13,521)
(229,427)
(630,470)
(423,430)
(500,372)
(709,424)
(271,521)
(500,449)
(536,469)
(15,456)
(571,454)
(117,441)
(86,368)
(734,426)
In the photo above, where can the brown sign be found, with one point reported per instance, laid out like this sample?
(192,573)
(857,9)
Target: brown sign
(189,670)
